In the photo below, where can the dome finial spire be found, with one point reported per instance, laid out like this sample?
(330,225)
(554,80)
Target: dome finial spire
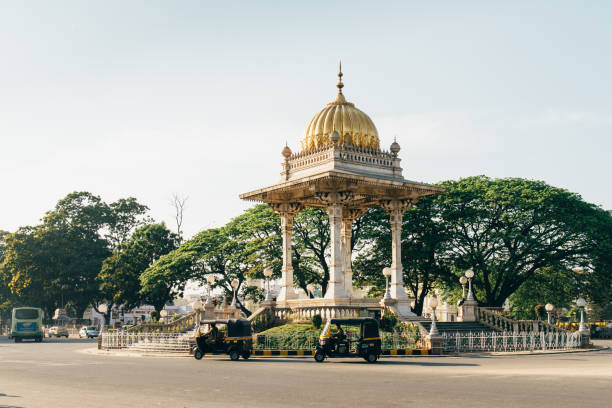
(340,85)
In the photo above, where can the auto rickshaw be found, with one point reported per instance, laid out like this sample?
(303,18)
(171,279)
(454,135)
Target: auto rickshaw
(236,340)
(366,346)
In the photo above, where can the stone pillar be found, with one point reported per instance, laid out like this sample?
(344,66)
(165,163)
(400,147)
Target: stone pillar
(585,338)
(209,311)
(286,291)
(335,286)
(396,210)
(286,211)
(348,216)
(334,201)
(468,311)
(345,249)
(435,344)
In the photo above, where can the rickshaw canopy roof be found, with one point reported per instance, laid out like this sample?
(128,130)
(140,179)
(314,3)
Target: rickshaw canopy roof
(354,320)
(238,328)
(218,321)
(368,326)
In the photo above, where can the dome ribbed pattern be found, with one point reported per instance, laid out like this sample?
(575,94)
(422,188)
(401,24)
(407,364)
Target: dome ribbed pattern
(354,127)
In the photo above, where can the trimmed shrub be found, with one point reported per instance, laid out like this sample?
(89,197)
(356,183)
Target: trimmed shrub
(154,315)
(388,321)
(317,321)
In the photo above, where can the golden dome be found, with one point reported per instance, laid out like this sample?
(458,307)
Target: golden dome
(354,127)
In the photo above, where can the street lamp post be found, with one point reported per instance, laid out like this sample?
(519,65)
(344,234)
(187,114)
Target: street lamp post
(310,289)
(469,274)
(463,281)
(268,274)
(581,303)
(549,308)
(235,284)
(433,303)
(211,281)
(387,273)
(197,307)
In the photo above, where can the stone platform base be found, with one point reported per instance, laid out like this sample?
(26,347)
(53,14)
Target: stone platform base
(340,307)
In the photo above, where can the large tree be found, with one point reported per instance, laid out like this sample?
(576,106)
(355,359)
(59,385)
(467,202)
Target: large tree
(507,229)
(120,272)
(56,264)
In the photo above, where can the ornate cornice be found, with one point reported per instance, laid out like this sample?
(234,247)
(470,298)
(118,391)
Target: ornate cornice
(395,205)
(286,208)
(335,198)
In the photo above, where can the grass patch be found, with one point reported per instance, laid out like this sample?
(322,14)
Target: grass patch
(292,329)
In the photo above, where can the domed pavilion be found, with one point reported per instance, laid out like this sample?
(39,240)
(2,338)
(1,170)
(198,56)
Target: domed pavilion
(341,168)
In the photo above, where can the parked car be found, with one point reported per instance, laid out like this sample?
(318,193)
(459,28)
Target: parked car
(57,331)
(89,332)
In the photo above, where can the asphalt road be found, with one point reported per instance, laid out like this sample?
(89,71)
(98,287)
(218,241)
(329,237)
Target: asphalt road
(59,373)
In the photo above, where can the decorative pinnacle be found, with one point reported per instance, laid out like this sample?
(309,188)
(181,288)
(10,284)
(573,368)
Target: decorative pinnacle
(286,151)
(340,85)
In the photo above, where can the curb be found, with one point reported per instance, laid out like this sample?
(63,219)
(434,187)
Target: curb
(391,352)
(528,353)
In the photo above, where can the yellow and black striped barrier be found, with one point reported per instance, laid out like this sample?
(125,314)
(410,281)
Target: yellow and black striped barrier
(405,352)
(391,352)
(283,352)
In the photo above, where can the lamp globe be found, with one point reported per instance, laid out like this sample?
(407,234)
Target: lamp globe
(433,302)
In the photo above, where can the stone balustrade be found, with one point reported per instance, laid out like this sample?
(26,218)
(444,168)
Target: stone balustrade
(496,320)
(305,309)
(184,323)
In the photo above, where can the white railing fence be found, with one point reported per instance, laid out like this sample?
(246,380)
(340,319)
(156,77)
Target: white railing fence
(510,341)
(169,342)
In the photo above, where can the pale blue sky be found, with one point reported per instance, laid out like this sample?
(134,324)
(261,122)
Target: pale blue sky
(148,98)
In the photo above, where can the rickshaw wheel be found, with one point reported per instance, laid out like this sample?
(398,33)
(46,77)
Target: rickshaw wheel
(246,355)
(197,354)
(319,357)
(234,356)
(371,358)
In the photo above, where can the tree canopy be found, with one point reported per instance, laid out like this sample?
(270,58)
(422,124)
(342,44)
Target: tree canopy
(120,272)
(521,237)
(507,229)
(56,263)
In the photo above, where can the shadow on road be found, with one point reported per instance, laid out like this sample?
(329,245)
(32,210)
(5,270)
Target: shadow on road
(3,395)
(389,362)
(5,340)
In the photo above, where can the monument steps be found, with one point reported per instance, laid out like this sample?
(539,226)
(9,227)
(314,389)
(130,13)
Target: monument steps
(453,327)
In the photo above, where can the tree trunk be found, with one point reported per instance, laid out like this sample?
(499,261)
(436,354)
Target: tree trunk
(244,310)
